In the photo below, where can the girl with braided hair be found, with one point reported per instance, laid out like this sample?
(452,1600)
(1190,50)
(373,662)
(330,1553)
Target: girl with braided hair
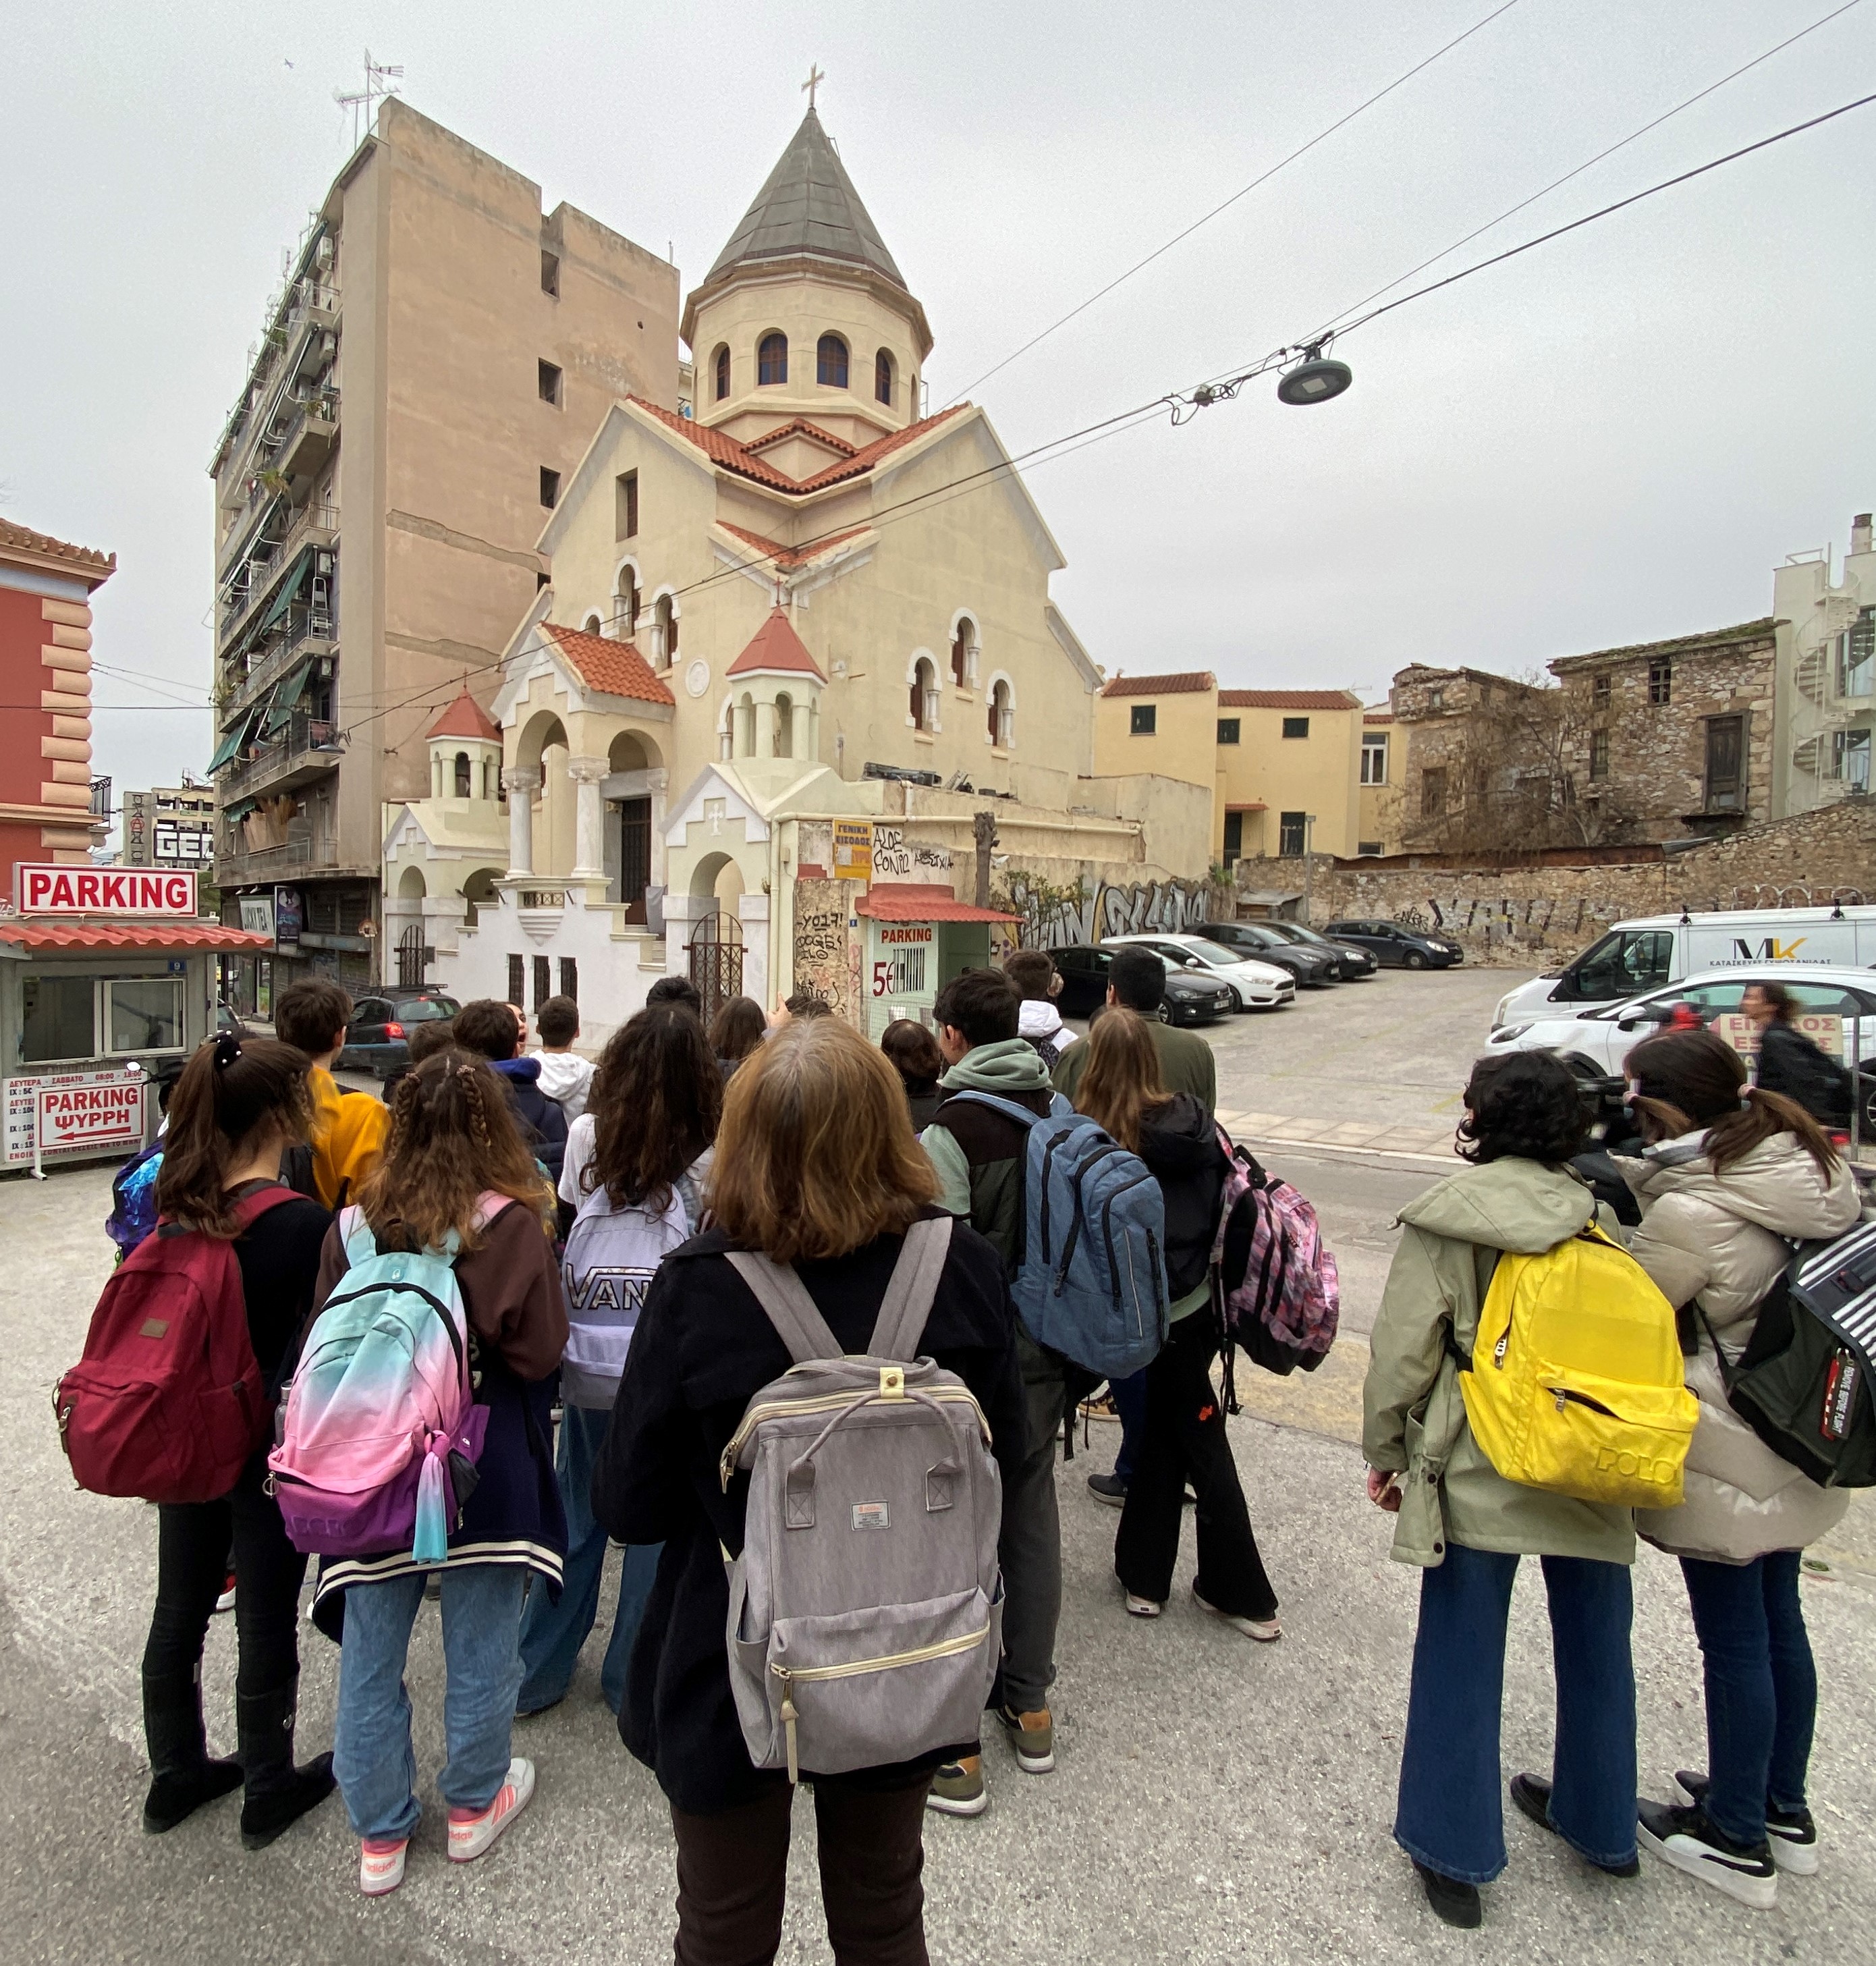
(455,1164)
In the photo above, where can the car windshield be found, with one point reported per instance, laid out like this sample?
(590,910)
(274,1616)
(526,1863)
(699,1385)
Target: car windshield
(425,1010)
(1206,951)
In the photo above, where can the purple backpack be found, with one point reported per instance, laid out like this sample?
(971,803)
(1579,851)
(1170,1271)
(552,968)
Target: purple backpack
(1279,1294)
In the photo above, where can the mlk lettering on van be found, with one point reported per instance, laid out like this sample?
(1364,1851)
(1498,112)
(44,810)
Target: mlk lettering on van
(1771,950)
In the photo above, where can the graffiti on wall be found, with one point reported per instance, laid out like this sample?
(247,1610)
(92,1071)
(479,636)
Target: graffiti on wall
(1058,918)
(822,961)
(896,859)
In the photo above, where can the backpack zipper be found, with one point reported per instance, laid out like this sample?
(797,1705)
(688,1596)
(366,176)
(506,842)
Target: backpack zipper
(1075,1228)
(1107,1231)
(832,1403)
(399,1283)
(918,1656)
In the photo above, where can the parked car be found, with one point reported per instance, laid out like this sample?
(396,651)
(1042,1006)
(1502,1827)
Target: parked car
(1256,985)
(375,1038)
(1595,1044)
(1311,967)
(1653,950)
(1397,948)
(1191,998)
(1350,959)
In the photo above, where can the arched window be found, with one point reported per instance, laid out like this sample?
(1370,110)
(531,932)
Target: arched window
(882,375)
(463,782)
(594,624)
(830,362)
(1002,717)
(722,366)
(785,727)
(772,360)
(666,620)
(964,653)
(924,703)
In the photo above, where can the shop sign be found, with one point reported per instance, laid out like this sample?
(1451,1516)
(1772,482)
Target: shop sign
(67,1112)
(853,850)
(289,917)
(257,914)
(42,890)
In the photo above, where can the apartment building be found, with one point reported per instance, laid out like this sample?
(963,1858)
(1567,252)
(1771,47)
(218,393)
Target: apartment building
(169,825)
(430,374)
(1826,674)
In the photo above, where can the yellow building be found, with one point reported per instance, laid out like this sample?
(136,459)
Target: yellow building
(1383,766)
(1283,766)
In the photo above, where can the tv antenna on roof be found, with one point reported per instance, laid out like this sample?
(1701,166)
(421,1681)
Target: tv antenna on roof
(363,103)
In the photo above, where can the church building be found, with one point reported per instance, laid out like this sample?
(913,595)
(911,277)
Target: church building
(792,643)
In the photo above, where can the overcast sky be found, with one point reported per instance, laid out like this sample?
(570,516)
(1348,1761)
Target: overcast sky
(1616,437)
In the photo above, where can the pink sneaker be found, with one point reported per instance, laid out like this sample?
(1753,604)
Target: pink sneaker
(471,1831)
(381,1864)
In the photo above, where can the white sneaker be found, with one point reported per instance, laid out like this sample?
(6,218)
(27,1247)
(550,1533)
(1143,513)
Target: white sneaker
(381,1864)
(1141,1607)
(1265,1631)
(470,1835)
(1683,1837)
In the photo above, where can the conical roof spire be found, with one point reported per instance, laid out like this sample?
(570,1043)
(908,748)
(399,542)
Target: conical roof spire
(808,208)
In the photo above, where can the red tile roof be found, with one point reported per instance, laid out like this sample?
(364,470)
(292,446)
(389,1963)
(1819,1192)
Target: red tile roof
(26,540)
(788,558)
(1289,699)
(920,901)
(776,646)
(466,717)
(153,937)
(1377,716)
(1186,683)
(720,448)
(801,427)
(616,668)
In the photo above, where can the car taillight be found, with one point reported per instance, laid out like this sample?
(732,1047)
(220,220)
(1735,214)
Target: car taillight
(393,1030)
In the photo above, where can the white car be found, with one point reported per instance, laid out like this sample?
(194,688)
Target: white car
(1257,986)
(1601,1039)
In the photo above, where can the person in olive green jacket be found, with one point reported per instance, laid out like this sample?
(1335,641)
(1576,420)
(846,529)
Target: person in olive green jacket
(1466,1525)
(1136,979)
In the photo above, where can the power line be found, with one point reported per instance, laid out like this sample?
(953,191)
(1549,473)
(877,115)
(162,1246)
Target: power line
(1633,135)
(1159,252)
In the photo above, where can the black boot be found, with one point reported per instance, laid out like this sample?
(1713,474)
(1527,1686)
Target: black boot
(182,1777)
(278,1794)
(1453,1901)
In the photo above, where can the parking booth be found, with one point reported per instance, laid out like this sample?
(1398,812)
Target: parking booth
(918,936)
(106,976)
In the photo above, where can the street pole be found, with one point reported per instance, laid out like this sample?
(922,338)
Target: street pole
(1309,864)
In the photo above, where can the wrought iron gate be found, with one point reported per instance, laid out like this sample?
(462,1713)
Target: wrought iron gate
(716,960)
(410,957)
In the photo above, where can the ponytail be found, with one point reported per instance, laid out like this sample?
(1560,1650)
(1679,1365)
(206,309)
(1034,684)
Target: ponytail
(1685,1079)
(229,1089)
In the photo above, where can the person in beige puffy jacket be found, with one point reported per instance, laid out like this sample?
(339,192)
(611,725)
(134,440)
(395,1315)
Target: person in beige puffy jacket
(1731,1174)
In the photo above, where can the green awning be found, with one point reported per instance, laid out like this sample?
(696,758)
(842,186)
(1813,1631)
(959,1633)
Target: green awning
(289,591)
(239,810)
(232,739)
(285,697)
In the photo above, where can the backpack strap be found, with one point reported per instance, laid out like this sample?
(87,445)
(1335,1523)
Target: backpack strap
(785,1302)
(1011,1110)
(251,1207)
(911,1289)
(360,1244)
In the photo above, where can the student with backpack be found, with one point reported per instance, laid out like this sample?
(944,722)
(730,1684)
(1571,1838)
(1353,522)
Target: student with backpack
(458,1188)
(1465,1525)
(1729,1172)
(566,1077)
(736,1030)
(822,1214)
(1791,1063)
(348,1130)
(1183,1437)
(916,1058)
(979,1153)
(637,1160)
(240,1102)
(1038,983)
(493,1030)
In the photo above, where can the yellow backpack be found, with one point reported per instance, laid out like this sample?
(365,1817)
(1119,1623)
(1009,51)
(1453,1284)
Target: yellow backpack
(1576,1382)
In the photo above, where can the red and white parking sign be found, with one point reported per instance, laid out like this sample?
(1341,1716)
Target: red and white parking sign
(44,890)
(106,1113)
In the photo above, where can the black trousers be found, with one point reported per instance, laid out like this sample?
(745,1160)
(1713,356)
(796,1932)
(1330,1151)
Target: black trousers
(1183,1440)
(732,1870)
(193,1540)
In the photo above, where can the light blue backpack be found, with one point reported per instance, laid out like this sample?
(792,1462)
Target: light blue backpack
(1090,1280)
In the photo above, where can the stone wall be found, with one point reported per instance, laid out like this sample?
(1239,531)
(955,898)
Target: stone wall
(1551,908)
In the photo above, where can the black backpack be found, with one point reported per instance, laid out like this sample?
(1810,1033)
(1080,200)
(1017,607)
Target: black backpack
(1803,1385)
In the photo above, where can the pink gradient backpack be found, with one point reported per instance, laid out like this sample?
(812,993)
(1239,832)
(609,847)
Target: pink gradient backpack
(1279,1294)
(380,1433)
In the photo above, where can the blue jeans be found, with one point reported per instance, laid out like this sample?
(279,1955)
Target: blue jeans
(371,1745)
(1130,1402)
(1762,1688)
(1451,1815)
(551,1634)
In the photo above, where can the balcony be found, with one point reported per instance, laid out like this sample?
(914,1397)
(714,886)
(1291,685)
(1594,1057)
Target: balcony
(303,633)
(309,438)
(276,863)
(306,749)
(317,526)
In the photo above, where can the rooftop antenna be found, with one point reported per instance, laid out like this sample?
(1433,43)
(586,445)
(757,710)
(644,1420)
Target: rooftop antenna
(363,102)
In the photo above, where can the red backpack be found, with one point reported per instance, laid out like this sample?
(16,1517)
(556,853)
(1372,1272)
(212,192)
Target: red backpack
(168,1403)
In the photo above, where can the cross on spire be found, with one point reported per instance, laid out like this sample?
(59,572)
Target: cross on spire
(815,76)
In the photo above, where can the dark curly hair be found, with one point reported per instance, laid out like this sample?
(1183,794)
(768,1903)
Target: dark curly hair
(1522,1103)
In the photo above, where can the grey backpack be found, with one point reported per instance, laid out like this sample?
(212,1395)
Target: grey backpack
(866,1609)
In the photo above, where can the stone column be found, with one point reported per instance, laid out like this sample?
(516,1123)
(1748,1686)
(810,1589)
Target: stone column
(659,781)
(589,817)
(522,787)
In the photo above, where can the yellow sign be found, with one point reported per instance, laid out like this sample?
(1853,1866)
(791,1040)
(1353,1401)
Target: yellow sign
(853,850)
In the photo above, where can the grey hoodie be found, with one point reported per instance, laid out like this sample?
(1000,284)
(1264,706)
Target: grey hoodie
(1415,1420)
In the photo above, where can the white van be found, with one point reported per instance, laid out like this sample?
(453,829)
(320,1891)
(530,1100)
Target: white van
(1637,956)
